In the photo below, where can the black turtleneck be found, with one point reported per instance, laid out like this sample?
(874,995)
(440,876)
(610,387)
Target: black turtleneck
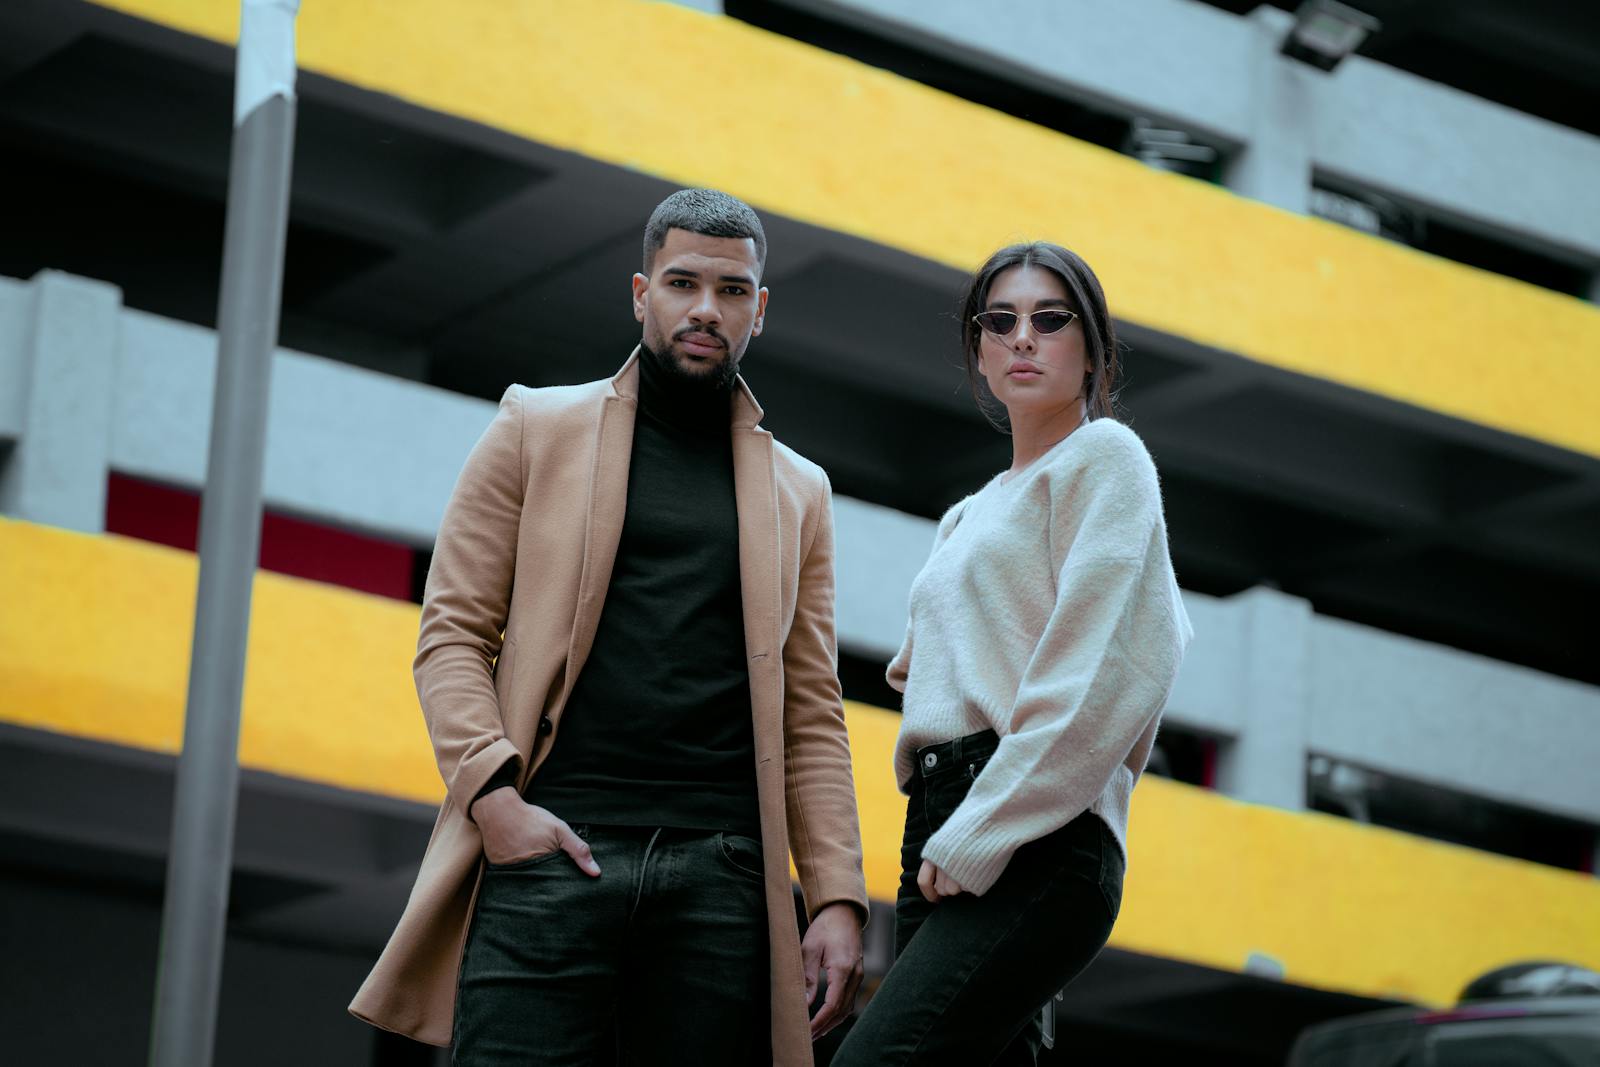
(657,730)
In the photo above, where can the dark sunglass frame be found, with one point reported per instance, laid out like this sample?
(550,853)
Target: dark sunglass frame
(1047,325)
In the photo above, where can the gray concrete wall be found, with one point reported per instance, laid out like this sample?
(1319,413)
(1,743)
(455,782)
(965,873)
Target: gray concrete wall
(1207,71)
(880,551)
(88,387)
(15,318)
(1165,59)
(59,400)
(1473,160)
(1206,696)
(347,446)
(1443,717)
(101,389)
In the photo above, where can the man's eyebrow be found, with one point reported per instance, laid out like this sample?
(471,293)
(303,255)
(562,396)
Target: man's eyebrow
(685,272)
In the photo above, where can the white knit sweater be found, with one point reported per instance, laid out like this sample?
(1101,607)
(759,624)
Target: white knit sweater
(1048,612)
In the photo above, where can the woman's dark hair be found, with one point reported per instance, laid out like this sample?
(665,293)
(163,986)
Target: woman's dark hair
(1088,300)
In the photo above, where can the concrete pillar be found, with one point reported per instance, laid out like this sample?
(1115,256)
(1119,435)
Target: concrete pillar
(1266,762)
(56,470)
(16,318)
(1275,166)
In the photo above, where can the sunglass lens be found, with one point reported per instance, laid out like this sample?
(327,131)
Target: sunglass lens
(999,323)
(1051,321)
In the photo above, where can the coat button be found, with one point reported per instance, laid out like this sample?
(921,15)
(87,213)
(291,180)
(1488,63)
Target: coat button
(545,725)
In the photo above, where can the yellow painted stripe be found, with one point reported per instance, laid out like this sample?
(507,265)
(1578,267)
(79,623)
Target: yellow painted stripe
(1341,905)
(94,642)
(95,635)
(704,100)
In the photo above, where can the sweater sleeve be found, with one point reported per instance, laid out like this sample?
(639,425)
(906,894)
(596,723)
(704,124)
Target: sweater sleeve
(464,611)
(900,666)
(1099,675)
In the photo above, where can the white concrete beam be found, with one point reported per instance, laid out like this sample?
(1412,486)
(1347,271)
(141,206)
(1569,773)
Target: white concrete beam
(1266,762)
(1274,166)
(63,373)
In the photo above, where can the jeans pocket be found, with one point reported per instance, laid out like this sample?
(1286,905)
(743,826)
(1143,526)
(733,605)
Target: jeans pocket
(1089,852)
(938,804)
(524,864)
(1112,867)
(944,796)
(539,859)
(743,854)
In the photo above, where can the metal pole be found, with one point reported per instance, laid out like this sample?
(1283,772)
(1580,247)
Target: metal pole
(194,916)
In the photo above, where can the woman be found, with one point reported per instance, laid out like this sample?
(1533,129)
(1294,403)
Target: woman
(1046,629)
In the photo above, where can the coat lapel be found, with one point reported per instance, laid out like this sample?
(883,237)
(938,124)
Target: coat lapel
(608,507)
(760,580)
(755,488)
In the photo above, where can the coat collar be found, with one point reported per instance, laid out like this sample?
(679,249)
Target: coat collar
(747,413)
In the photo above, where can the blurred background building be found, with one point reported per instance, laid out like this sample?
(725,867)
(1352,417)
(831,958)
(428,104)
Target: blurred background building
(1363,346)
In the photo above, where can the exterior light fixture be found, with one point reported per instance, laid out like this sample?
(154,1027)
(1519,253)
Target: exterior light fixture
(1325,31)
(1173,150)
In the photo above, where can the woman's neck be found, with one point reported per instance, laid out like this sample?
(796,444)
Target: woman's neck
(1033,433)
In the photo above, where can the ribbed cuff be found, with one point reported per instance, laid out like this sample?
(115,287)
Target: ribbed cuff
(474,773)
(505,776)
(972,853)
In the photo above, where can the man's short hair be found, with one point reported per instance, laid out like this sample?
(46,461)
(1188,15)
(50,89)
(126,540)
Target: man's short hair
(707,212)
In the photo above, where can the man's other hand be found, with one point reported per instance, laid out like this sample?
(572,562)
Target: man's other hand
(833,943)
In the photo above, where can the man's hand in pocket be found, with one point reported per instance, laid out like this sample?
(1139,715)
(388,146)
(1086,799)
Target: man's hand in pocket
(515,831)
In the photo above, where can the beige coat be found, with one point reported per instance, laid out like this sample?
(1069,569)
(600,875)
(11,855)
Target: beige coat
(525,551)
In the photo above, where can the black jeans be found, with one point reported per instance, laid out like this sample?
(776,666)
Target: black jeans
(972,973)
(660,960)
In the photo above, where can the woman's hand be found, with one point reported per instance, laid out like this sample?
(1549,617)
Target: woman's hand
(935,884)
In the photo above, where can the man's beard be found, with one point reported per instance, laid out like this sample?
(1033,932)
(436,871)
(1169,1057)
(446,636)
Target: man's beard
(716,379)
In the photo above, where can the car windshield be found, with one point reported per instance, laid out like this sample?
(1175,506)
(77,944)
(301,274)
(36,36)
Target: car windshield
(1534,1042)
(1526,1041)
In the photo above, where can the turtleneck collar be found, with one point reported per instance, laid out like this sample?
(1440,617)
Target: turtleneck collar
(692,407)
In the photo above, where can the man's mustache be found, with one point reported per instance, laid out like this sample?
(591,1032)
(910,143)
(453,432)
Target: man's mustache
(707,331)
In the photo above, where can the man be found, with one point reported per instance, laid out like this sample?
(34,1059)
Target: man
(627,667)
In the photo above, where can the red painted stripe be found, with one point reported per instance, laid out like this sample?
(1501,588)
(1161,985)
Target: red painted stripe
(1208,762)
(169,516)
